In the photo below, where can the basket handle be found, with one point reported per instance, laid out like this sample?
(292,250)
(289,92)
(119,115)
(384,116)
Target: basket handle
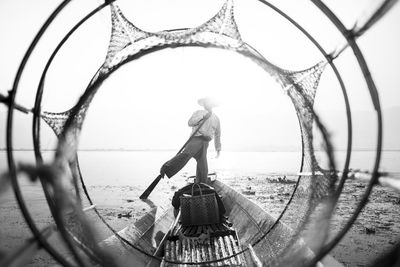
(198,184)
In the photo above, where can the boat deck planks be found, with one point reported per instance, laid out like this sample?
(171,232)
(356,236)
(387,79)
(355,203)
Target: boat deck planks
(249,222)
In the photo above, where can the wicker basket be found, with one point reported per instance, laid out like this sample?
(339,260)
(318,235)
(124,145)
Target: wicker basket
(199,210)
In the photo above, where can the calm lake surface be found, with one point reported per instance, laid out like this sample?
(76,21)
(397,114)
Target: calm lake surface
(141,167)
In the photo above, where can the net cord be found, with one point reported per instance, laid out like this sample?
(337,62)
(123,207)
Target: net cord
(378,131)
(376,16)
(36,141)
(87,95)
(71,116)
(347,107)
(9,139)
(375,100)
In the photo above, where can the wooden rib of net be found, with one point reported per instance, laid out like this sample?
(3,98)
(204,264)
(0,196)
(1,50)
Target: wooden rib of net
(75,116)
(129,42)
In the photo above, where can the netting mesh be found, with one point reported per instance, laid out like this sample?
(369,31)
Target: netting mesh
(311,200)
(127,41)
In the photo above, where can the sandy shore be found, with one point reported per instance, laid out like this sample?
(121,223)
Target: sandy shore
(376,229)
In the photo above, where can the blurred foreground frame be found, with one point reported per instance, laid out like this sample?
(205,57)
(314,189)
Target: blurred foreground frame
(64,186)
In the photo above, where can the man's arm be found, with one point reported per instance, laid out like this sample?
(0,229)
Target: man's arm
(217,138)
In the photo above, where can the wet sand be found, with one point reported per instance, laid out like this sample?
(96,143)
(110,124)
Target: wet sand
(376,230)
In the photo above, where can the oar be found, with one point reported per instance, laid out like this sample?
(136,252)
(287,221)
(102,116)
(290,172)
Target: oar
(151,187)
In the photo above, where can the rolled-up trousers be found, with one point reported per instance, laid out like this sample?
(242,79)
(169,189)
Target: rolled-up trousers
(197,149)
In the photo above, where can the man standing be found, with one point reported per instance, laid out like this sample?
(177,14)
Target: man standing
(198,144)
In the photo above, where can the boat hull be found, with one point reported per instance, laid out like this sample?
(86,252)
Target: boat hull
(249,220)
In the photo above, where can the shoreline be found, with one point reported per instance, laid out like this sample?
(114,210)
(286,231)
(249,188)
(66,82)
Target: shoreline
(174,150)
(358,248)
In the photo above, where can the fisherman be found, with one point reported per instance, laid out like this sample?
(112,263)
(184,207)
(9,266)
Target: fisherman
(198,144)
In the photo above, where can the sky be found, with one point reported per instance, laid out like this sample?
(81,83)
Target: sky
(146,103)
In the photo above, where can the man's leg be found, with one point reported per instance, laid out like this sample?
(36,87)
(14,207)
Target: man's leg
(202,165)
(173,166)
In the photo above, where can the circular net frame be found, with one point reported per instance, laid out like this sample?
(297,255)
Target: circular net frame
(314,195)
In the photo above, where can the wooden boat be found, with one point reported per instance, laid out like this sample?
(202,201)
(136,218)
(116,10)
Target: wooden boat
(156,233)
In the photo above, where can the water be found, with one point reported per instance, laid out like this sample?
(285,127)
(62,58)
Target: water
(141,167)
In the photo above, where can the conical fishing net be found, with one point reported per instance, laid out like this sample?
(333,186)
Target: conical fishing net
(311,202)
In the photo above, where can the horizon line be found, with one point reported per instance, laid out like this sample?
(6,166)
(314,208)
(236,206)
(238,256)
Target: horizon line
(228,150)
